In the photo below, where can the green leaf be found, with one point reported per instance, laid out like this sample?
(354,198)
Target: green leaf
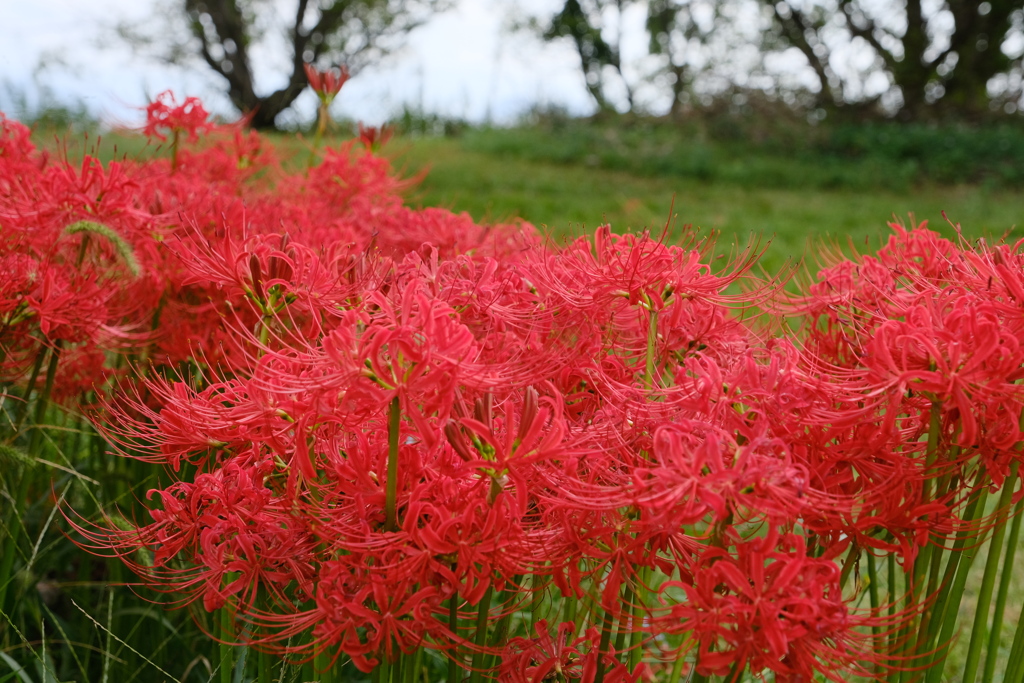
(18,669)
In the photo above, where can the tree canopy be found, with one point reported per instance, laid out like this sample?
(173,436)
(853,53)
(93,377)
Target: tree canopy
(226,35)
(917,60)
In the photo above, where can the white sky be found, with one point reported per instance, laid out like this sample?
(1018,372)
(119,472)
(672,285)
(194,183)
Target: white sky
(461,63)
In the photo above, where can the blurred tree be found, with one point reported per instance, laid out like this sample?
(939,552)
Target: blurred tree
(681,35)
(225,34)
(938,58)
(583,21)
(692,47)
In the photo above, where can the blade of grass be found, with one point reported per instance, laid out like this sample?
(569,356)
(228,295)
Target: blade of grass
(67,641)
(15,524)
(18,669)
(111,636)
(106,648)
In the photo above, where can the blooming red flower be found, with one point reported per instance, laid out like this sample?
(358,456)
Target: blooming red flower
(561,656)
(769,605)
(326,84)
(373,137)
(165,114)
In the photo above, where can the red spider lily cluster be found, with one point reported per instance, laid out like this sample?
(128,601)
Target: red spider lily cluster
(396,429)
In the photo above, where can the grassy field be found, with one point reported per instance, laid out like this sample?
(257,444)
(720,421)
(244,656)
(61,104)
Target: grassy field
(568,199)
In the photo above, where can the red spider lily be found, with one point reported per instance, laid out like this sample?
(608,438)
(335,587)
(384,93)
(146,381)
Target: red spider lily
(374,137)
(326,84)
(954,351)
(702,473)
(771,606)
(165,114)
(559,657)
(367,613)
(471,538)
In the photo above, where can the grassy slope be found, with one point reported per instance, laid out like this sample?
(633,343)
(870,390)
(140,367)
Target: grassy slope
(569,199)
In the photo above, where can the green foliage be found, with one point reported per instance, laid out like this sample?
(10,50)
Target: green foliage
(414,121)
(941,154)
(747,150)
(568,198)
(44,112)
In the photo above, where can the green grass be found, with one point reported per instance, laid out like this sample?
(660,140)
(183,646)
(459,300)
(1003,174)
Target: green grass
(775,149)
(569,199)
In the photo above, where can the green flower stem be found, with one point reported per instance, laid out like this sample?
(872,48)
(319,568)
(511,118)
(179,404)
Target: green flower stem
(652,345)
(391,490)
(1015,665)
(931,620)
(1004,590)
(937,553)
(500,635)
(175,135)
(988,581)
(602,649)
(923,560)
(636,641)
(265,665)
(890,566)
(677,669)
(625,621)
(917,574)
(480,638)
(396,670)
(415,666)
(227,660)
(538,584)
(30,387)
(322,115)
(453,626)
(584,616)
(948,605)
(851,559)
(873,596)
(324,670)
(569,612)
